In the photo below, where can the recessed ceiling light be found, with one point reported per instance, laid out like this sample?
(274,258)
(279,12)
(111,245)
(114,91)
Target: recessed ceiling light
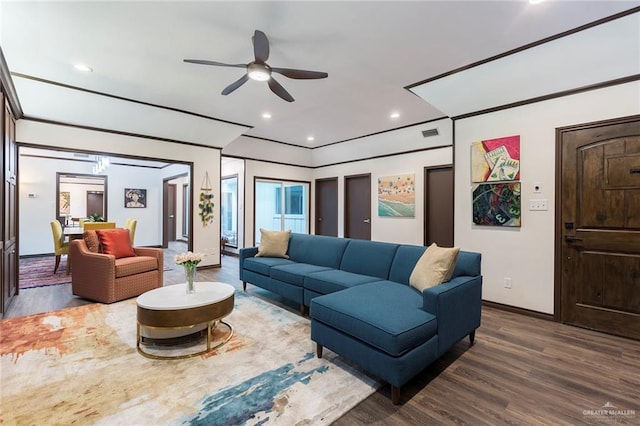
(310,138)
(266,115)
(82,67)
(535,1)
(394,115)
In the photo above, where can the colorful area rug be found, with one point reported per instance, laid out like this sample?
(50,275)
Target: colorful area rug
(80,366)
(38,272)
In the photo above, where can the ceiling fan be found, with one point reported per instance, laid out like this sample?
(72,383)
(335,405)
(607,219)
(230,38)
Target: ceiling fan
(259,70)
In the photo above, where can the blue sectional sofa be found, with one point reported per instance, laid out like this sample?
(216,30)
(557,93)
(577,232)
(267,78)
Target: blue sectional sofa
(362,306)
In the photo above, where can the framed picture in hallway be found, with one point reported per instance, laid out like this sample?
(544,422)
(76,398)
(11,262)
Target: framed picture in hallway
(135,198)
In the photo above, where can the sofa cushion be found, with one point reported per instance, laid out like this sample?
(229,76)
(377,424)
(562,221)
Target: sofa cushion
(317,249)
(468,264)
(294,273)
(116,242)
(333,280)
(273,243)
(383,314)
(127,266)
(368,258)
(434,267)
(262,265)
(404,261)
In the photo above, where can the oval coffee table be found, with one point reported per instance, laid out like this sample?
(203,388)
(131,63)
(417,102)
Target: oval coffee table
(171,308)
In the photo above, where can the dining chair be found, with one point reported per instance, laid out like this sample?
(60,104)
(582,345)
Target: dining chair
(81,221)
(98,225)
(60,247)
(131,224)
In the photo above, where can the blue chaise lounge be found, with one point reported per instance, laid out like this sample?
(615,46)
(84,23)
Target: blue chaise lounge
(361,304)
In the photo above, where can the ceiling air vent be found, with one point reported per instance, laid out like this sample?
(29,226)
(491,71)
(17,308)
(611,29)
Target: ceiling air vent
(430,132)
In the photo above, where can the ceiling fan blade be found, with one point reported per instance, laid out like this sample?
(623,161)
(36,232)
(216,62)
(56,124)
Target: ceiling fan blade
(279,90)
(300,74)
(219,64)
(260,46)
(233,86)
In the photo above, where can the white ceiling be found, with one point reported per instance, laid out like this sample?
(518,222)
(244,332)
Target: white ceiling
(371,51)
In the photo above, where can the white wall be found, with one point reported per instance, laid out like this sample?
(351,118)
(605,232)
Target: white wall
(206,238)
(258,149)
(406,230)
(401,140)
(526,254)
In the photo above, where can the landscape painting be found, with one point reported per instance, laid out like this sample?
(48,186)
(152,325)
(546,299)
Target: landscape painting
(497,204)
(396,195)
(494,160)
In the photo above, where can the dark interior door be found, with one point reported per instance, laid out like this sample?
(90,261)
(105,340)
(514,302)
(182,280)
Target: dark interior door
(357,207)
(10,209)
(95,203)
(599,199)
(438,198)
(169,213)
(327,207)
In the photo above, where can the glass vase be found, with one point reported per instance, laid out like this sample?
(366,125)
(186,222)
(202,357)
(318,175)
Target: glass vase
(190,277)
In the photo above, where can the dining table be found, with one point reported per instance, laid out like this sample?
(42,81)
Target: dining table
(73,232)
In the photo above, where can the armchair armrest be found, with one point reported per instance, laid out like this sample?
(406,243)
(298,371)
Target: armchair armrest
(158,253)
(457,304)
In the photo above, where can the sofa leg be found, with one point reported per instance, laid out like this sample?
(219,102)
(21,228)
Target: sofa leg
(319,350)
(244,286)
(395,395)
(304,310)
(472,337)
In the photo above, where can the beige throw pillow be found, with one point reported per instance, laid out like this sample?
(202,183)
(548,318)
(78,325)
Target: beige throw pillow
(434,267)
(273,243)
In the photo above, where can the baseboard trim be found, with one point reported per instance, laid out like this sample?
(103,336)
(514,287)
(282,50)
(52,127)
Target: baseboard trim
(517,310)
(216,266)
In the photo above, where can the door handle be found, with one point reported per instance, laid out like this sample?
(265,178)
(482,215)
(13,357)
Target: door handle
(171,216)
(319,219)
(572,239)
(367,221)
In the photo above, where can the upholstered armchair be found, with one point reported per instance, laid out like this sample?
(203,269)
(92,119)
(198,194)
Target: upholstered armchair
(109,278)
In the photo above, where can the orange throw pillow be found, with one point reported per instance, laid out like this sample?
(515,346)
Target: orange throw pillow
(116,242)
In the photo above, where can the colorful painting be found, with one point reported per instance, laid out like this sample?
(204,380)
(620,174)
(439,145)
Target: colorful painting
(135,198)
(497,204)
(495,160)
(65,203)
(397,195)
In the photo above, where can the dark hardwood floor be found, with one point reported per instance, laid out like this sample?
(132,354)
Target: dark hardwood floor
(521,370)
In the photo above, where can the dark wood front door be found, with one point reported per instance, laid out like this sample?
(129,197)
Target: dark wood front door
(357,207)
(599,223)
(9,205)
(327,207)
(438,198)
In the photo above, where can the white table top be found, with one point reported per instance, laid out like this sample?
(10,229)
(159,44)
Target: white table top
(176,296)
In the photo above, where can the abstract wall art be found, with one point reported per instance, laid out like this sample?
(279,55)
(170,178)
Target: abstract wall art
(495,160)
(497,204)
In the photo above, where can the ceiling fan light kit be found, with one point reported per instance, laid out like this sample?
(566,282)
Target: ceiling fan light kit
(258,69)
